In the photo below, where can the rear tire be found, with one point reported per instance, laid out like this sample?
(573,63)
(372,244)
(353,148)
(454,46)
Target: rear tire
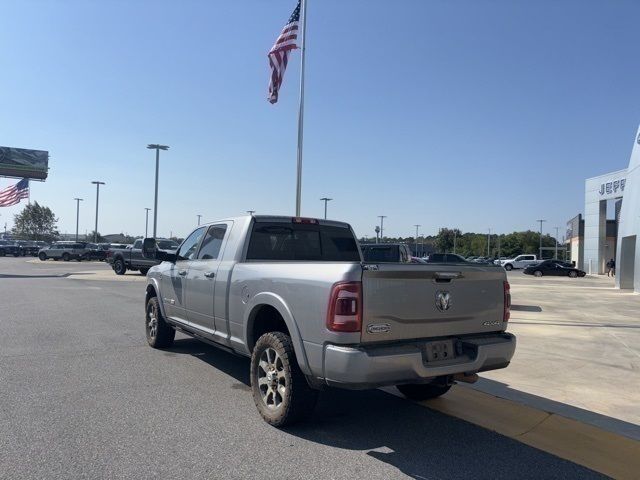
(143,271)
(66,257)
(280,390)
(119,267)
(508,267)
(419,391)
(537,273)
(159,333)
(42,256)
(573,274)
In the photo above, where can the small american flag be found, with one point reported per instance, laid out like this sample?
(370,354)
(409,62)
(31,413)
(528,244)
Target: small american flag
(279,53)
(13,194)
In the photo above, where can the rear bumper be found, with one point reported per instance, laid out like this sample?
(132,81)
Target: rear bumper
(375,366)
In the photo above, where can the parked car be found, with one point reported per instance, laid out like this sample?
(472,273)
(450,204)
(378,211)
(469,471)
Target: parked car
(445,258)
(64,250)
(28,248)
(521,261)
(96,251)
(386,252)
(130,258)
(294,295)
(9,247)
(556,268)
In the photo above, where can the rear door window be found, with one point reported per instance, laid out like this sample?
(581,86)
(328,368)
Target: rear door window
(310,242)
(210,248)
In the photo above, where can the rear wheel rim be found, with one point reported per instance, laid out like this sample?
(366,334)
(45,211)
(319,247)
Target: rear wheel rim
(272,380)
(152,322)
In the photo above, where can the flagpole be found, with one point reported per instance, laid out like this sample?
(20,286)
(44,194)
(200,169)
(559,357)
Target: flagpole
(303,41)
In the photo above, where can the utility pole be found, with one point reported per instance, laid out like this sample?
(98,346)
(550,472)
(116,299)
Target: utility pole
(556,255)
(146,222)
(97,184)
(199,216)
(382,217)
(540,251)
(417,227)
(157,148)
(78,200)
(325,200)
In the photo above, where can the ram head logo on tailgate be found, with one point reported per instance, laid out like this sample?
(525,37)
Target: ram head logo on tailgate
(443,300)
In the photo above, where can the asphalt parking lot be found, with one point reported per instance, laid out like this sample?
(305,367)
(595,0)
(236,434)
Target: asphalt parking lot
(83,396)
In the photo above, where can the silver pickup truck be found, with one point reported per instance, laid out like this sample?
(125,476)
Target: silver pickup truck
(295,296)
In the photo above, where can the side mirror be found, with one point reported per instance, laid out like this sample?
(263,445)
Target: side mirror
(149,248)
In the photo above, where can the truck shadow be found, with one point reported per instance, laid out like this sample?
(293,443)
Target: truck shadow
(419,442)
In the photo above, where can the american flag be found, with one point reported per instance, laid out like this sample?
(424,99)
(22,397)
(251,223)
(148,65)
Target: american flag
(13,194)
(279,53)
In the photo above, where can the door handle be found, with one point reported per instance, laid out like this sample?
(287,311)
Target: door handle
(182,273)
(209,274)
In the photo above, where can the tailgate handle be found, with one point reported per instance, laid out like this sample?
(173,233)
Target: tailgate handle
(446,276)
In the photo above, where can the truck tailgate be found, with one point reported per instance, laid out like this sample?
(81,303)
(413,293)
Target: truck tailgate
(409,301)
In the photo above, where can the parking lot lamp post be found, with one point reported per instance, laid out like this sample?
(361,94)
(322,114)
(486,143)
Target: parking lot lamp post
(540,251)
(199,217)
(78,200)
(417,227)
(382,217)
(146,222)
(97,184)
(455,237)
(157,148)
(377,230)
(325,200)
(489,244)
(556,254)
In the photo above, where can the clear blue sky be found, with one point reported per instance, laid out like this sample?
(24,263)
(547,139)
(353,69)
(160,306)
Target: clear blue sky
(469,114)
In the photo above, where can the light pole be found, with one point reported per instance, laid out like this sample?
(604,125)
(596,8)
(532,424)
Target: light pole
(556,255)
(381,217)
(199,216)
(377,230)
(146,222)
(455,237)
(325,200)
(95,231)
(489,244)
(157,148)
(417,227)
(540,251)
(78,200)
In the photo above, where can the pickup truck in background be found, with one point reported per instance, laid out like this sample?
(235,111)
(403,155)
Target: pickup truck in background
(130,257)
(386,252)
(295,296)
(521,261)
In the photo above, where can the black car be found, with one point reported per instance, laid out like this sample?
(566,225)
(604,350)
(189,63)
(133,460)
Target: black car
(9,247)
(96,251)
(556,268)
(28,248)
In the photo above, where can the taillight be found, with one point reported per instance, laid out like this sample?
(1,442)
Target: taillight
(507,302)
(345,307)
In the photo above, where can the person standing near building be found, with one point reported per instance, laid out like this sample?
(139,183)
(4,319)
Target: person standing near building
(611,268)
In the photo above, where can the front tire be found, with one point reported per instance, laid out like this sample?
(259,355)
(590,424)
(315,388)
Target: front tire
(66,257)
(538,273)
(143,271)
(119,267)
(280,390)
(159,333)
(508,267)
(42,256)
(573,274)
(427,391)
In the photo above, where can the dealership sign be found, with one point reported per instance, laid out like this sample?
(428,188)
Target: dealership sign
(24,163)
(610,188)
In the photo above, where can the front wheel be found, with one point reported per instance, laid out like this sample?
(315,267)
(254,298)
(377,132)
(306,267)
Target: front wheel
(508,267)
(537,273)
(419,391)
(119,267)
(280,390)
(573,274)
(143,271)
(42,256)
(159,333)
(66,257)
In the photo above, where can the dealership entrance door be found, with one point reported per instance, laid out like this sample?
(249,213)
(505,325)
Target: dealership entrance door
(627,261)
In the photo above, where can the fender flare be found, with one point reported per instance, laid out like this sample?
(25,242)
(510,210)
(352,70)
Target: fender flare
(153,285)
(277,302)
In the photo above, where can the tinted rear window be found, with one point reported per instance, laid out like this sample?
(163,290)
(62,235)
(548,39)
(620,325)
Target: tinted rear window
(283,241)
(382,253)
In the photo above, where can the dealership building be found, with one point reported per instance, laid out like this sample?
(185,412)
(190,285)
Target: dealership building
(594,239)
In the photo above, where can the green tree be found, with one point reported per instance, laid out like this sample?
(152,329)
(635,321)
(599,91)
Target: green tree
(35,222)
(92,235)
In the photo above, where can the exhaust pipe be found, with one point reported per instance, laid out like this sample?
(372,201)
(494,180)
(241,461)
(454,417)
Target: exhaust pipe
(463,377)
